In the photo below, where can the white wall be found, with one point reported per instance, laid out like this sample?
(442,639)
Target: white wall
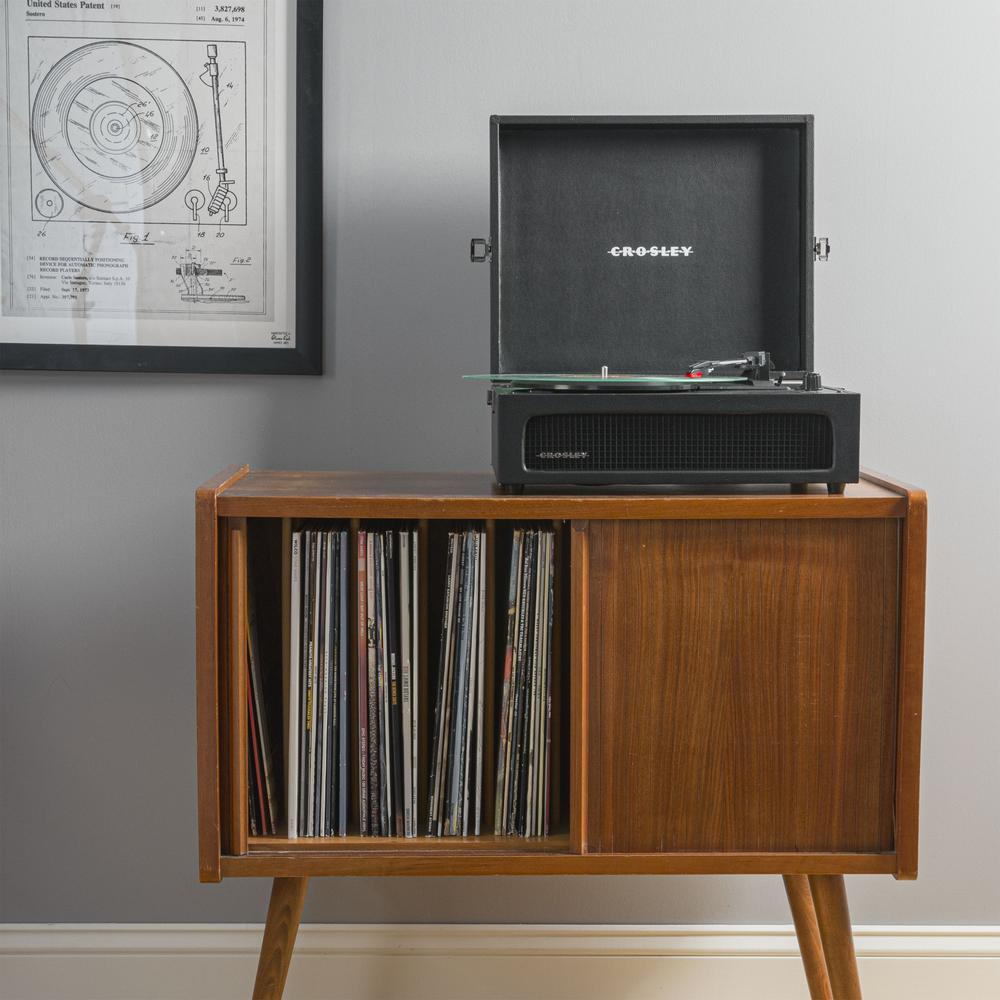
(97,472)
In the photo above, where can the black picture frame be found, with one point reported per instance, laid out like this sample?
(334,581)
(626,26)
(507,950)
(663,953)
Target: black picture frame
(306,358)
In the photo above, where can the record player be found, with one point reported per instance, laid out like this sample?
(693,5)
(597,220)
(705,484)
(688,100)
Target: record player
(651,305)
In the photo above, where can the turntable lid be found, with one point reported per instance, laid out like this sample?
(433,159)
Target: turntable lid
(647,244)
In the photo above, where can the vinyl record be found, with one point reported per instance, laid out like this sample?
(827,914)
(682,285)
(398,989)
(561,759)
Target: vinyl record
(114,127)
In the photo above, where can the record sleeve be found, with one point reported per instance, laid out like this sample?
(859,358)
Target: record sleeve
(294,674)
(362,666)
(405,680)
(374,741)
(395,693)
(342,688)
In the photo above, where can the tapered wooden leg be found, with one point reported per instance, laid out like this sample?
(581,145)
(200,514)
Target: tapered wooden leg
(807,931)
(834,919)
(283,913)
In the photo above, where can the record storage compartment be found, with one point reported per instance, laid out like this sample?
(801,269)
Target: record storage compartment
(262,545)
(718,655)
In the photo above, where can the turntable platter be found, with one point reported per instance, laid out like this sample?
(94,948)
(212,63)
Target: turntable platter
(576,380)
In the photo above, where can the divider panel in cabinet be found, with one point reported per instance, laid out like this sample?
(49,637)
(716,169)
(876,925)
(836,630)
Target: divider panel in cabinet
(232,686)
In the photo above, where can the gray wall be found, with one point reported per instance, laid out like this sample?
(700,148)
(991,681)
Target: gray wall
(97,472)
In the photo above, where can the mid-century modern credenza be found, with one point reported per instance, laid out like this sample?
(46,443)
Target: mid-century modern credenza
(738,676)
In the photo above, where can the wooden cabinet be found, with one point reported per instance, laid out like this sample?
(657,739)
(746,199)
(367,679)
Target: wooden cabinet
(741,672)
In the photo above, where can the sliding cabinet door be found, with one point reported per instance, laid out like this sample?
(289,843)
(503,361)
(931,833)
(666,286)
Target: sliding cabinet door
(740,684)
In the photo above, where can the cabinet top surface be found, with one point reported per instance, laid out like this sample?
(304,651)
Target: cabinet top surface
(266,493)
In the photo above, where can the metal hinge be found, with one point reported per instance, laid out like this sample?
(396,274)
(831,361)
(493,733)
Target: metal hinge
(821,248)
(480,250)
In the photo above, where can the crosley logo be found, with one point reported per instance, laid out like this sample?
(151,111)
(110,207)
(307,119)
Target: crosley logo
(651,251)
(563,454)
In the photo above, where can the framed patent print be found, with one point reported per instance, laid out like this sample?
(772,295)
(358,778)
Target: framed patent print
(161,185)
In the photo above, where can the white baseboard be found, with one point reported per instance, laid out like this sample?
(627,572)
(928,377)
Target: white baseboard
(477,961)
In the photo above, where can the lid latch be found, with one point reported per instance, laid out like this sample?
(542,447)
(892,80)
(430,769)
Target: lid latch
(480,250)
(821,248)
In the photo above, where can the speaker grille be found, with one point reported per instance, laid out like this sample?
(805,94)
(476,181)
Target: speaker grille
(676,442)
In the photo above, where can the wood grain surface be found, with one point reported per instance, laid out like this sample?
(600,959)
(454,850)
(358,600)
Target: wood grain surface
(742,685)
(911,682)
(800,902)
(830,900)
(475,495)
(237,678)
(554,858)
(730,656)
(283,914)
(579,696)
(208,637)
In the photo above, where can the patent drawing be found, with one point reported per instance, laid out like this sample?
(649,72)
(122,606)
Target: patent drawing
(49,203)
(114,127)
(222,197)
(138,183)
(195,200)
(123,128)
(192,271)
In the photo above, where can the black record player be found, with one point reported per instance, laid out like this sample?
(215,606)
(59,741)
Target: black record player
(624,249)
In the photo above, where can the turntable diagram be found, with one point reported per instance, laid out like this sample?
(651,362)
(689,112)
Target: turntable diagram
(114,127)
(134,136)
(123,127)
